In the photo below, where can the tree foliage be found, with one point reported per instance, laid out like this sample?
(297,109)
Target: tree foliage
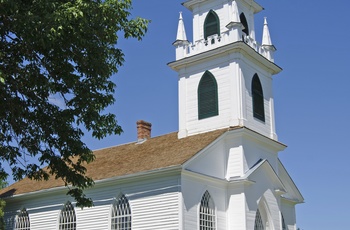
(3,184)
(56,60)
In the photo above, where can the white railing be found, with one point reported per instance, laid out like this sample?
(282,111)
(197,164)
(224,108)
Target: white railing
(215,41)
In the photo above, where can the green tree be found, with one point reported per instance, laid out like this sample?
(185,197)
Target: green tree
(3,184)
(67,50)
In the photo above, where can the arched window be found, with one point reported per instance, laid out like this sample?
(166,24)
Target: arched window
(258,99)
(121,214)
(22,220)
(211,24)
(67,219)
(207,213)
(258,221)
(207,96)
(244,23)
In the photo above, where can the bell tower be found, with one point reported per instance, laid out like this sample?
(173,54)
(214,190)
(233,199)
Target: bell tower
(225,74)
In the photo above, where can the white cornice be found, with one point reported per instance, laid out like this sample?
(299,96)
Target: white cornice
(236,47)
(258,137)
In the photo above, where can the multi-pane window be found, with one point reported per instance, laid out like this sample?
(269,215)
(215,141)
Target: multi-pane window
(207,213)
(258,221)
(121,214)
(22,220)
(67,219)
(207,96)
(258,99)
(211,24)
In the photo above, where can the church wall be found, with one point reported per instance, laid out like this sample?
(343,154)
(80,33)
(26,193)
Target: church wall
(262,195)
(288,212)
(227,88)
(193,188)
(253,152)
(236,212)
(153,202)
(210,162)
(200,13)
(224,11)
(264,127)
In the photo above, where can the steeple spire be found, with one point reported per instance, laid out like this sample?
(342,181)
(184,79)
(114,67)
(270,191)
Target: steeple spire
(268,49)
(181,33)
(266,40)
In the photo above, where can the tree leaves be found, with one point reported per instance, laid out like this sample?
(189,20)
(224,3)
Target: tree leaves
(66,50)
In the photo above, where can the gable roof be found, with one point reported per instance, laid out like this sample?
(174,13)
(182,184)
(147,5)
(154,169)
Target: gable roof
(156,153)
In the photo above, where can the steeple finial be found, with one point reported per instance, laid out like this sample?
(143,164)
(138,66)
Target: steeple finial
(266,40)
(181,33)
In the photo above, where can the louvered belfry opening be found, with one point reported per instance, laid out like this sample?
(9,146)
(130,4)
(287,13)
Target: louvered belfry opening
(207,96)
(244,22)
(258,99)
(211,24)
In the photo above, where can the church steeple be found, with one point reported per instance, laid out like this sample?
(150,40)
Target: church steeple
(225,75)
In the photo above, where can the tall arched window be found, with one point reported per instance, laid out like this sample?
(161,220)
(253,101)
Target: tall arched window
(258,221)
(22,220)
(121,214)
(207,214)
(68,220)
(244,23)
(211,24)
(258,99)
(207,96)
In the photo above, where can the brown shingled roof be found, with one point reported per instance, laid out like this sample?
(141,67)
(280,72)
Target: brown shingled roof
(158,152)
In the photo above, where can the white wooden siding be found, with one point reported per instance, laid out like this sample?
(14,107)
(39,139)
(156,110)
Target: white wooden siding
(154,205)
(193,190)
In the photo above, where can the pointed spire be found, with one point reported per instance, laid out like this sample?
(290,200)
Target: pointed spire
(235,15)
(181,33)
(266,40)
(267,47)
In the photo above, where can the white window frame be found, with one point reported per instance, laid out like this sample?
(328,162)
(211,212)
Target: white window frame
(207,213)
(121,217)
(67,219)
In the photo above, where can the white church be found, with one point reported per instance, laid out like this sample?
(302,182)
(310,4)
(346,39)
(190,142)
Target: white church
(220,171)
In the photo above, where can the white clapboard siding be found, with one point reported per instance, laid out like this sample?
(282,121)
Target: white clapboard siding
(154,205)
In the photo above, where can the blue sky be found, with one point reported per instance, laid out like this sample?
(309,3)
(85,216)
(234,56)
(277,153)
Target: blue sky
(312,106)
(311,94)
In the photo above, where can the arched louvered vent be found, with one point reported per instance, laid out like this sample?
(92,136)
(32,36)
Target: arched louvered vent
(258,99)
(211,24)
(207,96)
(244,23)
